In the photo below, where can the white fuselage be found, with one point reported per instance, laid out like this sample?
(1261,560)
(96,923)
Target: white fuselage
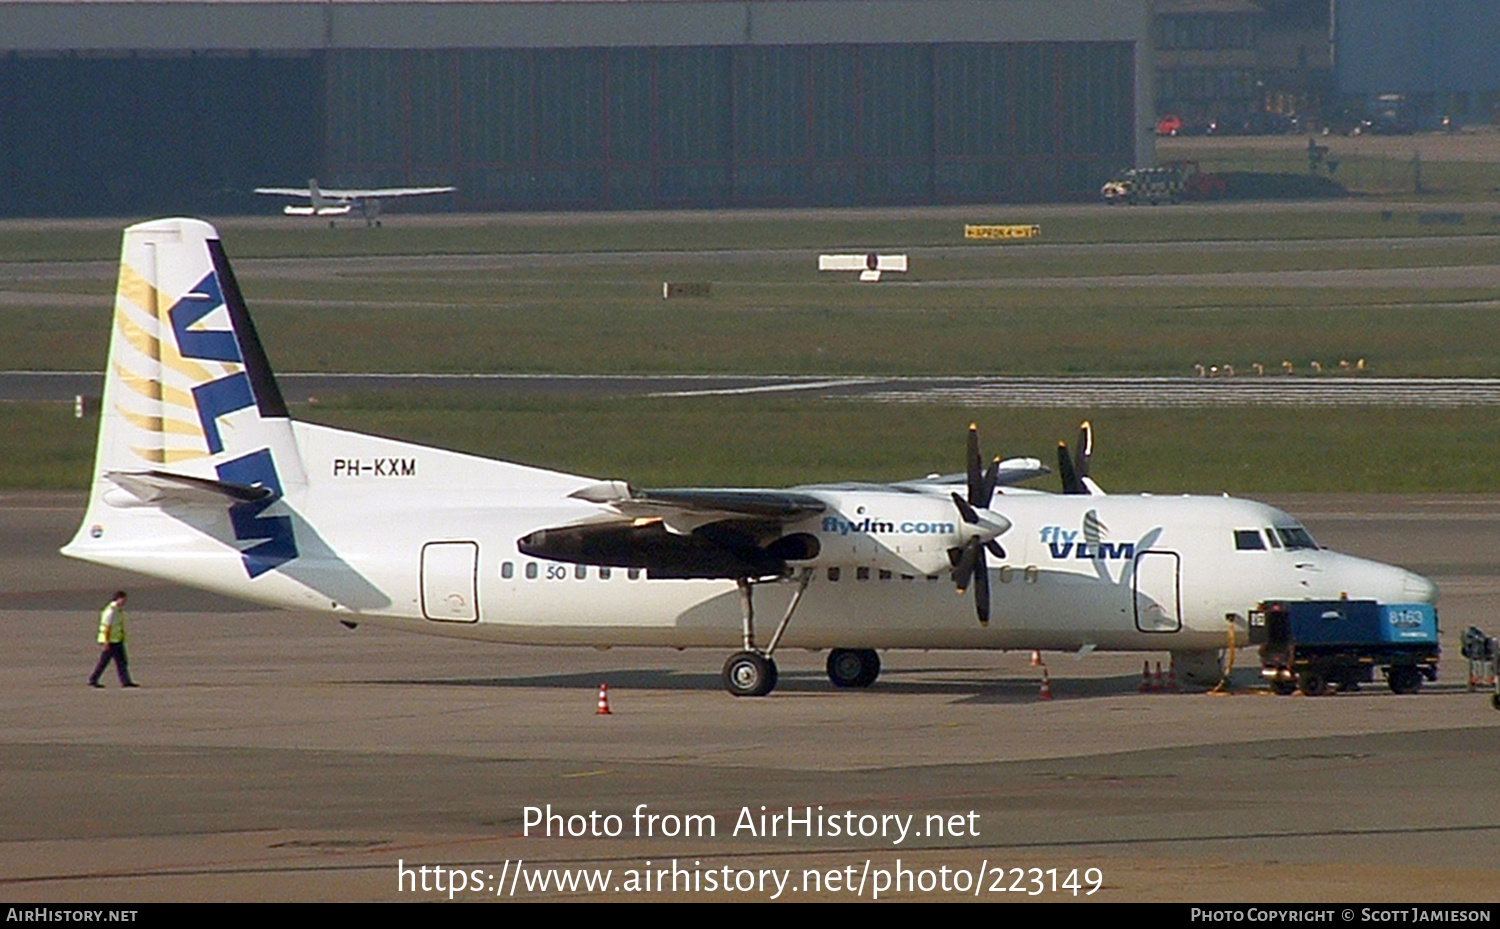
(426,540)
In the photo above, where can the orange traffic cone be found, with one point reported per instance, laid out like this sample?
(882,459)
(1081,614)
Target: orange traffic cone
(1145,677)
(1157,684)
(1036,658)
(1172,687)
(1046,692)
(603,701)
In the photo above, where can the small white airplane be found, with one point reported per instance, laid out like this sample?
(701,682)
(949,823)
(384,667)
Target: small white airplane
(336,203)
(202,478)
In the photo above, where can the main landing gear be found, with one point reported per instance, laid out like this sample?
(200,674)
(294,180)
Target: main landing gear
(752,672)
(853,667)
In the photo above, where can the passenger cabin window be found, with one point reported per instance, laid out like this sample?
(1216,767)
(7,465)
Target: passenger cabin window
(507,570)
(1294,537)
(604,574)
(581,572)
(531,570)
(861,574)
(833,574)
(633,573)
(1246,540)
(884,574)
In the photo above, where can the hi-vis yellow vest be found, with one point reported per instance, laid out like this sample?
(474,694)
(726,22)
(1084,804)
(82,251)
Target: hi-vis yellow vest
(112,625)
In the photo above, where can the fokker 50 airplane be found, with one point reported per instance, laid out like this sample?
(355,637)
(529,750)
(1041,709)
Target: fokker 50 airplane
(203,478)
(335,203)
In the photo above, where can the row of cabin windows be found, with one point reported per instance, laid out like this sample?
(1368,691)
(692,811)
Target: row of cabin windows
(1290,538)
(863,574)
(533,570)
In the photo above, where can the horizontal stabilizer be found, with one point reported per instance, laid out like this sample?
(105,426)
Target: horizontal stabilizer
(159,487)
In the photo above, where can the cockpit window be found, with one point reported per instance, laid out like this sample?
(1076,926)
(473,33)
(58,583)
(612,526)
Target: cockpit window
(1295,537)
(1271,535)
(1246,540)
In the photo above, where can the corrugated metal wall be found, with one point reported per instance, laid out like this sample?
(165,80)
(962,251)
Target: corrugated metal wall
(129,134)
(747,125)
(559,128)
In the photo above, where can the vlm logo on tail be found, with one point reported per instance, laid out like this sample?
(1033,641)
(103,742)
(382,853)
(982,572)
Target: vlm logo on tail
(197,354)
(218,398)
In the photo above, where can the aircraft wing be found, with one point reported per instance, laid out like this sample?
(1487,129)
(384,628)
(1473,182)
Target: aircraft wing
(381,193)
(685,533)
(352,194)
(1011,471)
(683,510)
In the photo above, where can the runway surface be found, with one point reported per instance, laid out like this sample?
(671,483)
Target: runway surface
(1064,392)
(271,756)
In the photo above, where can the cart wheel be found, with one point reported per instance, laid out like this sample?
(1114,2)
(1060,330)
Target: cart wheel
(1312,684)
(1284,688)
(1404,679)
(1495,701)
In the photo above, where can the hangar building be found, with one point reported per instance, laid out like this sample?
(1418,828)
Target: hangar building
(1420,60)
(130,106)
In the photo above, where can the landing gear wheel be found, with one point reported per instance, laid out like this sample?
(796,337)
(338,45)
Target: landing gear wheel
(1404,679)
(1495,701)
(853,667)
(1284,688)
(1312,684)
(749,674)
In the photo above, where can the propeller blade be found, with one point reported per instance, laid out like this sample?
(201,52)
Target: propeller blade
(995,548)
(975,465)
(982,589)
(1085,450)
(969,514)
(987,487)
(1071,484)
(963,570)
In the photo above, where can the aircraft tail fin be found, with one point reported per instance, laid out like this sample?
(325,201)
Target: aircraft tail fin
(191,411)
(187,387)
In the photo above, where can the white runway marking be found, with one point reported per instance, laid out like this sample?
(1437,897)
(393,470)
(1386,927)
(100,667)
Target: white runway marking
(769,388)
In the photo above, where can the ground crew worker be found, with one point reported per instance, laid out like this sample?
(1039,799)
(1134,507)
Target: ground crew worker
(112,640)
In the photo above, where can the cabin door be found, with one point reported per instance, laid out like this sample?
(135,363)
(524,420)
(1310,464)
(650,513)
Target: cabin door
(450,581)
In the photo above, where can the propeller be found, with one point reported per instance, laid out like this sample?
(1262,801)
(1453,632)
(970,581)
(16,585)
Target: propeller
(1074,470)
(980,527)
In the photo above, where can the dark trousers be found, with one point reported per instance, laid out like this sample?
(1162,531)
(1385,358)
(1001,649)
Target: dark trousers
(113,651)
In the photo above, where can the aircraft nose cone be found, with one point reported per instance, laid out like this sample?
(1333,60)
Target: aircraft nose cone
(1418,589)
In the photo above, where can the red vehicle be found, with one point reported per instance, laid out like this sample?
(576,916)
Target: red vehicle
(1197,184)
